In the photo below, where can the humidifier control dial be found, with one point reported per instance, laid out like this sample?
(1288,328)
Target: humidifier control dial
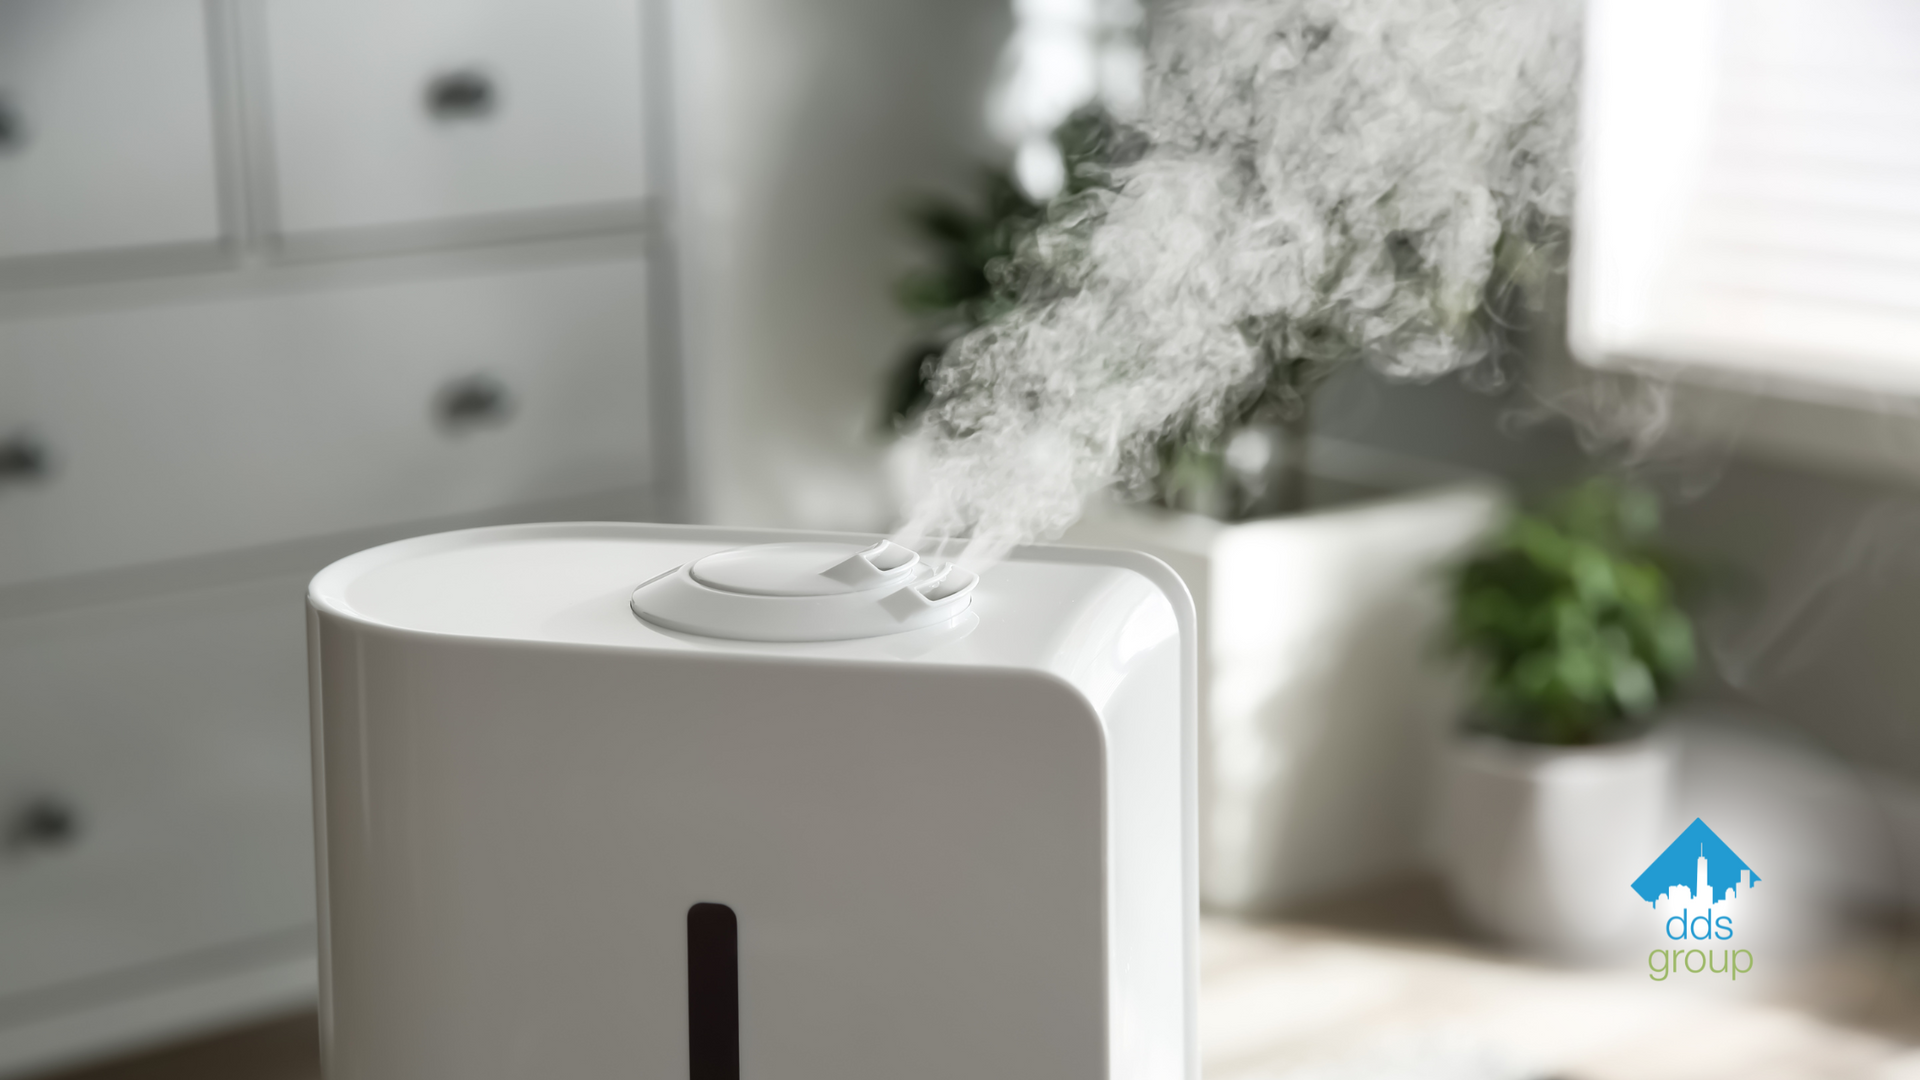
(806,592)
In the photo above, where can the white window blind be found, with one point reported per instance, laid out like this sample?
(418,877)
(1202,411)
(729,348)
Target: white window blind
(1750,190)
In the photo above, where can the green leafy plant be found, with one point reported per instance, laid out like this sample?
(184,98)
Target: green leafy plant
(1572,612)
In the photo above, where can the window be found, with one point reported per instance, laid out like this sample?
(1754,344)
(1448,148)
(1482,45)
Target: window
(1750,192)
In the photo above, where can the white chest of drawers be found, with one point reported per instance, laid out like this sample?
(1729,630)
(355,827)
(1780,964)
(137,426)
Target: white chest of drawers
(277,278)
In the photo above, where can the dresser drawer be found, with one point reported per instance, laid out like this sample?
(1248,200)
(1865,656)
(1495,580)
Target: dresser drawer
(135,435)
(390,112)
(106,126)
(154,798)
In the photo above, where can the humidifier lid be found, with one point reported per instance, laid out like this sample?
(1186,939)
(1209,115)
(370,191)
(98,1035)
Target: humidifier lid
(806,592)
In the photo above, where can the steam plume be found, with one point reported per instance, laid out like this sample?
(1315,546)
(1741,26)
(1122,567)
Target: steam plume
(1320,178)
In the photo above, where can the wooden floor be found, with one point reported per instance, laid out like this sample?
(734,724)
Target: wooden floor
(1387,987)
(1297,1001)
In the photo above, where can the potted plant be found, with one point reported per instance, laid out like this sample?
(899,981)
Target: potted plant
(1557,789)
(1308,188)
(1320,690)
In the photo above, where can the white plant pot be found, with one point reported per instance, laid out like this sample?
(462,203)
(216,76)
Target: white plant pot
(1540,844)
(1326,694)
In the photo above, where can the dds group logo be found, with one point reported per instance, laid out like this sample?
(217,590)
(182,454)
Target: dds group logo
(1696,886)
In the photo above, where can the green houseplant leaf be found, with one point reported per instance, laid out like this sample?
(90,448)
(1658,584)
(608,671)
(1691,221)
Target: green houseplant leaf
(1572,614)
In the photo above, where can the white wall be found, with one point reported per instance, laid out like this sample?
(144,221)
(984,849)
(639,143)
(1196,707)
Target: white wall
(803,128)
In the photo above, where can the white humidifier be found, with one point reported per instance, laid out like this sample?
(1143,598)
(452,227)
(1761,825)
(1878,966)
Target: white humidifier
(678,803)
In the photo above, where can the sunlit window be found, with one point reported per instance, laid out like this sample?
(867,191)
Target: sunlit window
(1751,190)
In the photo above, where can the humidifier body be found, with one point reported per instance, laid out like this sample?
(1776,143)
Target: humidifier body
(562,834)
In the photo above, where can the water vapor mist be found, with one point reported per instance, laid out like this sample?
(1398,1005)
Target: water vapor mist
(1320,178)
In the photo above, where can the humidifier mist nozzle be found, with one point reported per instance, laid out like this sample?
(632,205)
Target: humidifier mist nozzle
(806,592)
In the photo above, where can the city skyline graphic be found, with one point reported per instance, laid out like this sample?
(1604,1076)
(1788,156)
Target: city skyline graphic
(1697,866)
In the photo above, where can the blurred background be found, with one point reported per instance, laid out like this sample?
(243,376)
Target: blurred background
(283,279)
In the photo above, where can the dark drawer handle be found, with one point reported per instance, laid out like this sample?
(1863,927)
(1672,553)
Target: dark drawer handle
(42,823)
(13,130)
(473,401)
(23,458)
(466,94)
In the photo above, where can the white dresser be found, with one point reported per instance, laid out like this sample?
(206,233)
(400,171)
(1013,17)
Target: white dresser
(278,279)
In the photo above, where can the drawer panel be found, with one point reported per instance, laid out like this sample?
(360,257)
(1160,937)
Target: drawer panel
(106,126)
(170,734)
(171,431)
(388,112)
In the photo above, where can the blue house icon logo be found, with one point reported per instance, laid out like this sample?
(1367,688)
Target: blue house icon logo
(1696,888)
(1698,867)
